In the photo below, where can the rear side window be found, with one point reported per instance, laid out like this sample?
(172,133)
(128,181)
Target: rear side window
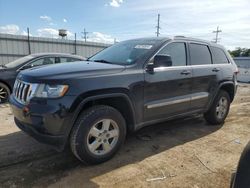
(219,56)
(200,54)
(177,52)
(68,59)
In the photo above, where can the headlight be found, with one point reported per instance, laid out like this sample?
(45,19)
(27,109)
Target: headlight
(50,91)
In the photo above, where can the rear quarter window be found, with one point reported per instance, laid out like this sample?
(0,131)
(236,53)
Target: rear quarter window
(219,57)
(200,54)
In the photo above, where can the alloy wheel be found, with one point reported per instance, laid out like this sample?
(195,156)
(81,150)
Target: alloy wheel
(3,95)
(221,108)
(102,137)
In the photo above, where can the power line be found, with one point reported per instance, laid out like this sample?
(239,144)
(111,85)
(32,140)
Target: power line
(217,33)
(158,26)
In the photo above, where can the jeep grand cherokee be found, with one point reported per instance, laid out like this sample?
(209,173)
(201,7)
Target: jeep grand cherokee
(93,105)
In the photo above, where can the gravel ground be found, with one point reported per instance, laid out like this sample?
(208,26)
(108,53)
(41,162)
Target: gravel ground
(182,153)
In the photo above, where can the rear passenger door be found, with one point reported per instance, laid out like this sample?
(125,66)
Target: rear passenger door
(205,75)
(221,60)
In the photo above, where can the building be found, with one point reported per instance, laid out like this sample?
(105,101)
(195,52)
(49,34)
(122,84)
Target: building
(15,46)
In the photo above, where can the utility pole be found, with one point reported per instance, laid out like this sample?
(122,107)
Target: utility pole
(28,33)
(75,44)
(158,26)
(85,34)
(217,34)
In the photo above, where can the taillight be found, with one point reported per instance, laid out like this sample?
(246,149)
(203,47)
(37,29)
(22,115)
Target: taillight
(236,71)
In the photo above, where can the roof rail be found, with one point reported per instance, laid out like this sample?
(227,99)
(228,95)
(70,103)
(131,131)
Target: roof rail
(192,39)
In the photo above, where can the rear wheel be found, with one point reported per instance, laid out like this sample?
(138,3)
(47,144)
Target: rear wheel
(98,134)
(219,109)
(4,93)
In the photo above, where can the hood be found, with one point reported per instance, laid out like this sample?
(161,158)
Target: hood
(4,72)
(69,71)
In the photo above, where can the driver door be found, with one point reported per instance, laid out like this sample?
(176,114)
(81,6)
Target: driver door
(167,89)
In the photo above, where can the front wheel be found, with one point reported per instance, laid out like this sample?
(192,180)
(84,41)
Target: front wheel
(98,134)
(219,109)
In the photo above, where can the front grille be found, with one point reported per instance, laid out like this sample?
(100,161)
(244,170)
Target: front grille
(23,91)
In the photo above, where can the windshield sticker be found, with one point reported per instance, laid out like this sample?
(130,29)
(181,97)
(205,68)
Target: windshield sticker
(143,46)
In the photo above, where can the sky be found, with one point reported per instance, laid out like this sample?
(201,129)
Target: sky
(109,20)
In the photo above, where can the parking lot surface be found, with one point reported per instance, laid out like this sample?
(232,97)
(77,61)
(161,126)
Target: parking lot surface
(182,153)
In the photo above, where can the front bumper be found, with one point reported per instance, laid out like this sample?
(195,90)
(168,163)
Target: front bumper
(57,142)
(47,121)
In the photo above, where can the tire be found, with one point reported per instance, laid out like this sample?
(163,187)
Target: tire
(4,93)
(91,138)
(219,109)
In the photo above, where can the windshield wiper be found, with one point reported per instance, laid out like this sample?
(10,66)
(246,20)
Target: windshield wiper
(103,61)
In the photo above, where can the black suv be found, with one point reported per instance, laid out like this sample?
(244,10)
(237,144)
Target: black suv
(93,105)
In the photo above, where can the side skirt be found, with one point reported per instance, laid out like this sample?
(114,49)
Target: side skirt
(144,124)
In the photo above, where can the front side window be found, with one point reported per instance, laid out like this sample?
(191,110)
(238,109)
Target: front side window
(219,56)
(177,52)
(43,61)
(200,54)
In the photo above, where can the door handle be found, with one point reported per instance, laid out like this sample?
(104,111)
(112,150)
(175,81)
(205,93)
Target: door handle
(216,70)
(186,72)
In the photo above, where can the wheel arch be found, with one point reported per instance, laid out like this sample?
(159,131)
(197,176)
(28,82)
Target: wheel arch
(5,83)
(118,100)
(229,88)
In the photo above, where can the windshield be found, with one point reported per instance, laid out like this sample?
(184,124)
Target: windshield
(124,53)
(18,61)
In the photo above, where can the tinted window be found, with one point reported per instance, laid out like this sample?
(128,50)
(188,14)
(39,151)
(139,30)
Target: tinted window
(43,61)
(177,52)
(200,54)
(219,56)
(68,59)
(57,60)
(74,59)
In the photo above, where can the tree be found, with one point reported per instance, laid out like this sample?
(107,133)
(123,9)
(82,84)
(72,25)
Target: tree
(240,52)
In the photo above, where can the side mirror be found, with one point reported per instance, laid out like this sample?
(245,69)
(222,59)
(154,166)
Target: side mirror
(162,61)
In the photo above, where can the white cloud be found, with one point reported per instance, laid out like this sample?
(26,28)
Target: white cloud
(24,33)
(47,32)
(46,18)
(115,3)
(70,34)
(101,38)
(64,20)
(9,29)
(51,32)
(197,18)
